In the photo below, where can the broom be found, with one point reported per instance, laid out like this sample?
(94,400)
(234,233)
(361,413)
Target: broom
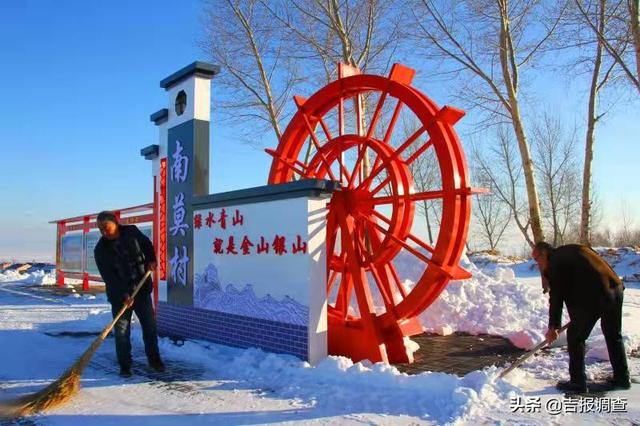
(526,356)
(63,389)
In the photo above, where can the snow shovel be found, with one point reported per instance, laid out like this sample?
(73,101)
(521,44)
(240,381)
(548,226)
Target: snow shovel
(63,389)
(526,356)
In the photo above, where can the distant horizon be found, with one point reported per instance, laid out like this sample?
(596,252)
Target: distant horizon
(51,260)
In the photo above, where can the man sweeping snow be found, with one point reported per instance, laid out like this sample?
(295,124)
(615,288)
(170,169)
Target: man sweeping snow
(123,255)
(578,277)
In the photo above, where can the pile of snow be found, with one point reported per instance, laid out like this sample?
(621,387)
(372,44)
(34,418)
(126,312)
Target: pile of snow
(500,305)
(625,261)
(38,277)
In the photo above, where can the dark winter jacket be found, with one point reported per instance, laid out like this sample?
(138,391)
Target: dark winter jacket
(122,262)
(581,279)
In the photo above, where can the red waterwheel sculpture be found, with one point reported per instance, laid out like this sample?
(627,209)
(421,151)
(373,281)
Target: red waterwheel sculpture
(370,218)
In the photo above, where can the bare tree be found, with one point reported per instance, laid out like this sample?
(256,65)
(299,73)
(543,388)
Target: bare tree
(634,24)
(598,81)
(500,165)
(363,34)
(558,175)
(492,41)
(258,76)
(322,33)
(602,238)
(620,36)
(492,215)
(625,235)
(588,56)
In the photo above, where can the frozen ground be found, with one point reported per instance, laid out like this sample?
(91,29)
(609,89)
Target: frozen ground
(40,336)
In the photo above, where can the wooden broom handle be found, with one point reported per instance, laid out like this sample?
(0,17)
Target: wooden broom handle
(137,288)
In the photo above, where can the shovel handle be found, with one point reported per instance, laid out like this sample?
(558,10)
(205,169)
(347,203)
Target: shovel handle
(526,356)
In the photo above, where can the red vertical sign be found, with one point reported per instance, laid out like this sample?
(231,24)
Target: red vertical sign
(162,234)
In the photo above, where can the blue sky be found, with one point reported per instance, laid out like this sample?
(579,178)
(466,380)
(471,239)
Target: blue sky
(79,80)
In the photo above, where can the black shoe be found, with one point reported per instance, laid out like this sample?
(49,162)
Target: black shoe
(624,383)
(125,372)
(158,366)
(571,387)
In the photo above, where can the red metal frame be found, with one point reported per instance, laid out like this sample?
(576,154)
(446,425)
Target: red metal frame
(60,231)
(86,223)
(362,240)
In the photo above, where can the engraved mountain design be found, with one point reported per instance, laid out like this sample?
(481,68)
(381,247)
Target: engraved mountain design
(209,294)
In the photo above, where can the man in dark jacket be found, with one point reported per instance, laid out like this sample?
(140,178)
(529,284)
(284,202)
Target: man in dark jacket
(578,277)
(123,255)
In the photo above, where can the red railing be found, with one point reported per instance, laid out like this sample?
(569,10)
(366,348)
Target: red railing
(143,213)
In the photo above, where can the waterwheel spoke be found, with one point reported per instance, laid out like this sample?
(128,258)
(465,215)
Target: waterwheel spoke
(331,227)
(343,171)
(345,291)
(316,143)
(403,243)
(335,271)
(358,104)
(418,196)
(392,122)
(362,149)
(341,117)
(410,235)
(376,241)
(290,164)
(389,132)
(355,268)
(357,166)
(381,278)
(418,152)
(325,129)
(361,246)
(411,250)
(331,237)
(332,279)
(341,133)
(408,161)
(396,279)
(376,114)
(383,286)
(393,157)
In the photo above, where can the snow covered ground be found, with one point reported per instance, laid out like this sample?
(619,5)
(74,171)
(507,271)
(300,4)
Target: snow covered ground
(40,336)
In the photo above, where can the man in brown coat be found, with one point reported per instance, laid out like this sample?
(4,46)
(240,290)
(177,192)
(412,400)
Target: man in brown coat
(578,277)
